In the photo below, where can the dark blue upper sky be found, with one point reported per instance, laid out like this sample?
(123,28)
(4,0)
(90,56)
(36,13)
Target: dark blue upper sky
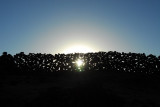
(52,26)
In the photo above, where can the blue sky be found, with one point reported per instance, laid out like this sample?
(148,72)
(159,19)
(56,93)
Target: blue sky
(52,26)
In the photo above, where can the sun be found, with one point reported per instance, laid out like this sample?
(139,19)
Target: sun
(79,62)
(79,65)
(78,49)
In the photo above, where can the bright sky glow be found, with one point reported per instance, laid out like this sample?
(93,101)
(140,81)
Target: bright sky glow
(67,26)
(78,49)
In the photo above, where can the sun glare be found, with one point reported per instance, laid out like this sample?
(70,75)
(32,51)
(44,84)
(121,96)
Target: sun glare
(78,49)
(79,65)
(79,62)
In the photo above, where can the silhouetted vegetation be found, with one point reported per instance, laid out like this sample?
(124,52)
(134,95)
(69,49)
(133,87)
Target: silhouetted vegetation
(110,79)
(101,61)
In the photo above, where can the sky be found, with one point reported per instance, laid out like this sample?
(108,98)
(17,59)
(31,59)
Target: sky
(57,26)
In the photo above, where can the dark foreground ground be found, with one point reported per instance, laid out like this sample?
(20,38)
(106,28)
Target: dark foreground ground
(92,89)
